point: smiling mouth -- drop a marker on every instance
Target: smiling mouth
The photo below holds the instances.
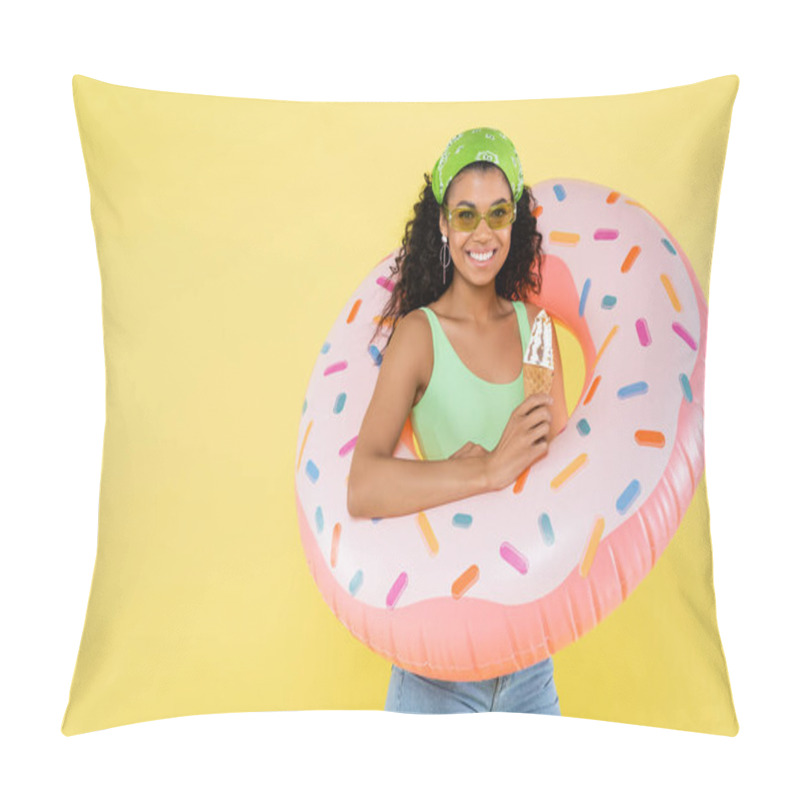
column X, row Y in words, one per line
column 481, row 257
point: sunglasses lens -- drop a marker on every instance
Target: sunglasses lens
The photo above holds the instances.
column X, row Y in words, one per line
column 464, row 219
column 500, row 216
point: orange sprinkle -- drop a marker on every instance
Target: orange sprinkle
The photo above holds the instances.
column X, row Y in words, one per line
column 591, row 547
column 564, row 237
column 613, row 197
column 427, row 533
column 633, row 254
column 386, row 323
column 337, row 532
column 610, row 336
column 649, row 438
column 569, row 470
column 353, row 311
column 537, row 212
column 673, row 298
column 303, row 446
column 466, row 579
column 592, row 388
column 634, row 203
column 520, row 484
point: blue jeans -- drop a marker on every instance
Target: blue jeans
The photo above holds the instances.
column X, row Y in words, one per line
column 531, row 691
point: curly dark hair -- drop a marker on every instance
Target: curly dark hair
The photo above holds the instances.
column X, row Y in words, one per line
column 419, row 269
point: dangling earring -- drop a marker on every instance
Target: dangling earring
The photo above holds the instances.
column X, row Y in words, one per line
column 444, row 253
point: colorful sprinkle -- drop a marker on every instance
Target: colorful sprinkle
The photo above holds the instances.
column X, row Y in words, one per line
column 673, row 297
column 633, row 254
column 337, row 367
column 397, row 589
column 668, row 244
column 563, row 237
column 462, row 520
column 687, row 387
column 649, row 438
column 337, row 533
column 356, row 581
column 592, row 389
column 584, row 296
column 609, row 301
column 312, row 470
column 348, row 446
column 465, row 580
column 643, row 332
column 610, row 336
column 684, row 334
column 519, row 485
column 632, row 389
column 427, row 534
column 305, row 405
column 325, row 348
column 583, row 427
column 339, row 403
column 612, row 198
column 546, row 529
column 569, row 470
column 320, row 520
column 605, row 234
column 376, row 355
column 385, row 282
column 537, row 212
column 513, row 556
column 560, row 192
column 353, row 311
column 303, row 446
column 632, row 491
column 376, row 520
column 591, row 546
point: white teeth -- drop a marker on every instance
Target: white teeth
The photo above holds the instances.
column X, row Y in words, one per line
column 482, row 256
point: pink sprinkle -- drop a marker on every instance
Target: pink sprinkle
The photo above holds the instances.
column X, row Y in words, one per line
column 684, row 334
column 643, row 331
column 337, row 367
column 397, row 589
column 346, row 448
column 606, row 233
column 513, row 556
column 386, row 283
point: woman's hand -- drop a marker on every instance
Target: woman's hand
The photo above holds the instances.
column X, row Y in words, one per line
column 524, row 441
column 470, row 450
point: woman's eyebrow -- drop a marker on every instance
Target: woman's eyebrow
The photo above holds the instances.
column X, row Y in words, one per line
column 472, row 205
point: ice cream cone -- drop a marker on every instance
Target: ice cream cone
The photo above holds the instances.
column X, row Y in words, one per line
column 537, row 360
column 536, row 379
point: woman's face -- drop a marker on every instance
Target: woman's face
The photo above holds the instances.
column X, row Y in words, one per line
column 478, row 255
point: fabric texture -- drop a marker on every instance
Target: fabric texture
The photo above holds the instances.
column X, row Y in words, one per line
column 458, row 406
column 215, row 306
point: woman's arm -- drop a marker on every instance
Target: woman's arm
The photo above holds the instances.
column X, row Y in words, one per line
column 381, row 485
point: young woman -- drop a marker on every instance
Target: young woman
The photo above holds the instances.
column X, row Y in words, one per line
column 454, row 363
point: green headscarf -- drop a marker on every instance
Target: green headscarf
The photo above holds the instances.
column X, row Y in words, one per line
column 477, row 144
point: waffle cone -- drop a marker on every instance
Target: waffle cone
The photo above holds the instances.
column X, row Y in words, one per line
column 537, row 379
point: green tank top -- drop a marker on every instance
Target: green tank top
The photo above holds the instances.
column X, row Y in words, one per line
column 458, row 406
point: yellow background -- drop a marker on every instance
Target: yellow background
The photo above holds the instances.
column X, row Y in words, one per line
column 230, row 233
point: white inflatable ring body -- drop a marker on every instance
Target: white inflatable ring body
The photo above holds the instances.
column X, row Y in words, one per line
column 496, row 582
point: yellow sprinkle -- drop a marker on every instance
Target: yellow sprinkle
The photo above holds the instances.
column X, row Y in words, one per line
column 569, row 470
column 634, row 203
column 303, row 446
column 427, row 533
column 676, row 304
column 610, row 336
column 591, row 547
column 564, row 237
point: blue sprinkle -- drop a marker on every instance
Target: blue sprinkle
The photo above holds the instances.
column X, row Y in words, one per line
column 305, row 404
column 339, row 404
column 687, row 388
column 355, row 583
column 668, row 244
column 376, row 520
column 312, row 471
column 583, row 428
column 609, row 301
column 376, row 355
column 546, row 529
column 320, row 521
column 462, row 520
column 584, row 296
column 326, row 347
column 632, row 389
column 560, row 191
column 632, row 491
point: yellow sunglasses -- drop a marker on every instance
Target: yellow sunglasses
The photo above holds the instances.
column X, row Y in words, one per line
column 465, row 218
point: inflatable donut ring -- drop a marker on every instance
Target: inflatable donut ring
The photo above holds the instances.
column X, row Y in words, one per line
column 493, row 583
